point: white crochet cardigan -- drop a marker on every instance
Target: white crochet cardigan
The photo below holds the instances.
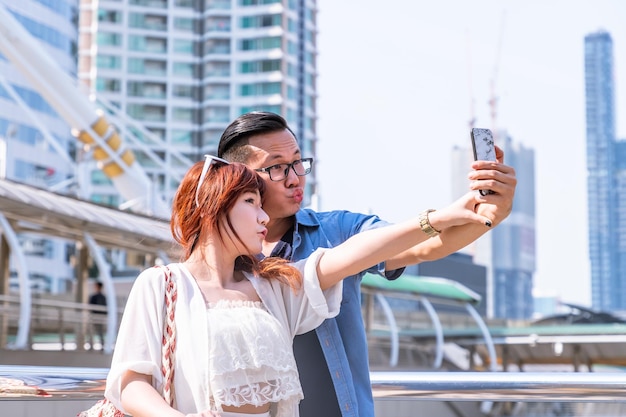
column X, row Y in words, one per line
column 138, row 345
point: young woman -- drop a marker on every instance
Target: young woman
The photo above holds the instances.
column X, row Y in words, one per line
column 236, row 316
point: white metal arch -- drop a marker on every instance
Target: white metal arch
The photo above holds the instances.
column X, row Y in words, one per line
column 21, row 341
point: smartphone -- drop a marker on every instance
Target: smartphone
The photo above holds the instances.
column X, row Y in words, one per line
column 484, row 148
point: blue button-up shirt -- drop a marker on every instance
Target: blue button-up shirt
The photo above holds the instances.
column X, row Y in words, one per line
column 343, row 338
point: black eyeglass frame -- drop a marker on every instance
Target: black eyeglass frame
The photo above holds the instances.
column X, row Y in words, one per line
column 288, row 166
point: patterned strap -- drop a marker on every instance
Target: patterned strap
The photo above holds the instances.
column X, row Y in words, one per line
column 168, row 348
column 104, row 407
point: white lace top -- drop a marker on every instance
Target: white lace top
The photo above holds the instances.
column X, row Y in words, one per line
column 229, row 353
column 250, row 355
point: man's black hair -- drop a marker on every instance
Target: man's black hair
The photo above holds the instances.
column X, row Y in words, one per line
column 248, row 125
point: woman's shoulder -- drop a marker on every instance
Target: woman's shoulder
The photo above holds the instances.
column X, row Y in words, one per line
column 155, row 275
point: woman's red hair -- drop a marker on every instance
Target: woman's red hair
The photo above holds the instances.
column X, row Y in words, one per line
column 218, row 193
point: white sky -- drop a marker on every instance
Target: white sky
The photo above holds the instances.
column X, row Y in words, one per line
column 395, row 99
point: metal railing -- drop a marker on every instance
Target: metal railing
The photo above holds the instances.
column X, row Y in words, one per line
column 57, row 320
column 70, row 383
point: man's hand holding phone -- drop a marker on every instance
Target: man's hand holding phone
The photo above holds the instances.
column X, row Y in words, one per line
column 484, row 149
column 501, row 178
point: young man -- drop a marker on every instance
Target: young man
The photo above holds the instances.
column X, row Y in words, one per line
column 332, row 360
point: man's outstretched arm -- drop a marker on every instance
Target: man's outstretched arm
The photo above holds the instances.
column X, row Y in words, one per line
column 494, row 176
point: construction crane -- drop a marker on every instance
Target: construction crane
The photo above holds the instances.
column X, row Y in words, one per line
column 91, row 128
column 493, row 99
column 470, row 83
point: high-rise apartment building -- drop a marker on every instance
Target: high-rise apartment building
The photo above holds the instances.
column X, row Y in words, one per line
column 185, row 68
column 35, row 142
column 606, row 178
column 509, row 250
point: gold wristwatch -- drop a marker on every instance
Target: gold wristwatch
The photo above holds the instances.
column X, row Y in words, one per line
column 425, row 224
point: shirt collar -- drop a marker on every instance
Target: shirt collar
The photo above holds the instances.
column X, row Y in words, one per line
column 307, row 217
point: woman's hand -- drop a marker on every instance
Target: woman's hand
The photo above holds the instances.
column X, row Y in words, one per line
column 460, row 212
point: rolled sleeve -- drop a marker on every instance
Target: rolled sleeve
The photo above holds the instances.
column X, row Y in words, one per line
column 325, row 303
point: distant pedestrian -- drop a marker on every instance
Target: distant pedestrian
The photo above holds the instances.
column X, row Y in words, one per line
column 99, row 299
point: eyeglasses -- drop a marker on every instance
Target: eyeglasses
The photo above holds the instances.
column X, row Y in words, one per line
column 279, row 172
column 208, row 160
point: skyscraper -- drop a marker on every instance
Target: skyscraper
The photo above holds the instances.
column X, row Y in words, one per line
column 186, row 68
column 508, row 251
column 35, row 142
column 606, row 189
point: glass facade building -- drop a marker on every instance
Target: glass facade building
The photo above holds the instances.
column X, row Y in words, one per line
column 606, row 178
column 31, row 132
column 185, row 68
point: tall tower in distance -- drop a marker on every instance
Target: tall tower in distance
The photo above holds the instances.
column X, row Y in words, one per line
column 186, row 68
column 605, row 182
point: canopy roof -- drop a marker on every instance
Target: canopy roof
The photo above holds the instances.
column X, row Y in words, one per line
column 31, row 209
column 428, row 286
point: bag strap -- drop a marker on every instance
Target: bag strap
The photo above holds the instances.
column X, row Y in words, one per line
column 168, row 348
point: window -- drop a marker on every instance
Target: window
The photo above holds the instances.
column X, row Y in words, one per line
column 108, row 62
column 146, row 112
column 261, row 107
column 218, row 4
column 109, row 16
column 183, row 91
column 182, row 137
column 147, row 44
column 310, row 58
column 106, row 199
column 37, row 247
column 262, row 21
column 260, row 89
column 310, row 102
column 108, row 84
column 221, row 46
column 107, row 38
column 150, row 3
column 181, row 114
column 147, row 21
column 185, row 24
column 211, row 136
column 183, row 46
column 291, row 70
column 291, row 92
column 98, row 177
column 217, row 69
column 145, row 89
column 261, row 43
column 37, row 175
column 266, row 65
column 217, row 91
column 185, row 3
column 292, row 26
column 148, row 67
column 218, row 24
column 292, row 48
column 217, row 114
column 257, row 2
column 183, row 68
